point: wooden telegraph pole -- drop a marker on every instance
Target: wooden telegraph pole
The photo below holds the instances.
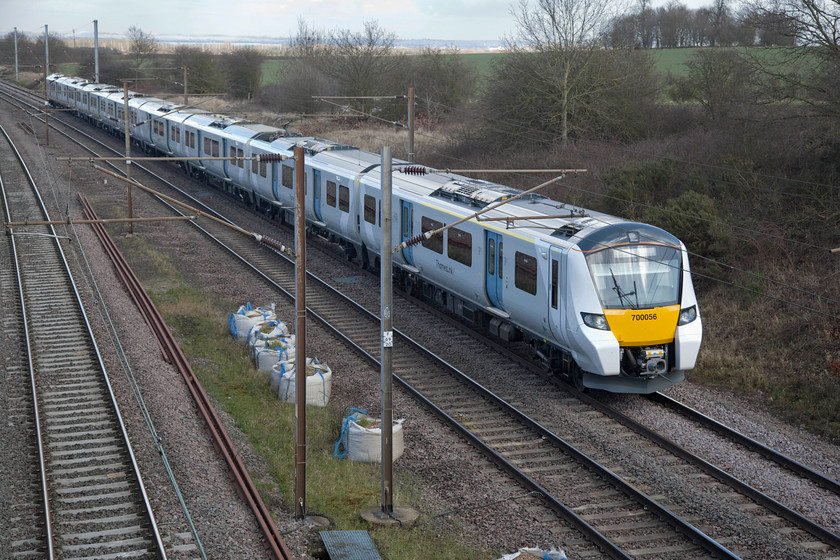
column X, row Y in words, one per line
column 126, row 120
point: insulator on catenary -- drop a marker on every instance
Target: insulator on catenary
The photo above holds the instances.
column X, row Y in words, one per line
column 415, row 170
column 415, row 240
column 274, row 244
column 271, row 157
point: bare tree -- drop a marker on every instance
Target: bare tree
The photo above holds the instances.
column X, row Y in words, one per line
column 814, row 23
column 301, row 78
column 645, row 20
column 205, row 75
column 723, row 84
column 362, row 63
column 559, row 54
column 811, row 73
column 244, row 72
column 142, row 45
column 675, row 24
column 443, row 81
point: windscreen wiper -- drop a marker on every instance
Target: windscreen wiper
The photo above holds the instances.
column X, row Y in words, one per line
column 624, row 298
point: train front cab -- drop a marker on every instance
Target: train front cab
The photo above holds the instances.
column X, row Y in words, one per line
column 648, row 330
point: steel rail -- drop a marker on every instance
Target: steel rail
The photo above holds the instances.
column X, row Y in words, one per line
column 30, row 359
column 793, row 465
column 112, row 398
column 174, row 355
column 754, row 494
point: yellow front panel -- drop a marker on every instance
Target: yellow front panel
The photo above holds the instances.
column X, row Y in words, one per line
column 643, row 327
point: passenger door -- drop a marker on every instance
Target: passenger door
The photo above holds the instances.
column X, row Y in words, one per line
column 407, row 229
column 556, row 292
column 316, row 194
column 494, row 279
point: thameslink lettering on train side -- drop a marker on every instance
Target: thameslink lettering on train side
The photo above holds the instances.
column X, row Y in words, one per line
column 445, row 267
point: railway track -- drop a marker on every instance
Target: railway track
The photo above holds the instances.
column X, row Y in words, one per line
column 601, row 500
column 92, row 502
column 245, row 488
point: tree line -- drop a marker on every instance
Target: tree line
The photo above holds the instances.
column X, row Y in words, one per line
column 721, row 24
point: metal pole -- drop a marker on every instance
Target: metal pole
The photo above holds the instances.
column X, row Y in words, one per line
column 47, row 49
column 127, row 119
column 17, row 78
column 411, row 125
column 300, row 335
column 46, row 94
column 186, row 99
column 96, row 51
column 387, row 339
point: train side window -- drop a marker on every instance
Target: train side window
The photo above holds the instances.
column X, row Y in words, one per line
column 555, row 270
column 288, row 177
column 435, row 242
column 240, row 154
column 459, row 247
column 237, row 153
column 207, row 146
column 501, row 256
column 370, row 209
column 263, row 166
column 331, row 193
column 216, row 149
column 343, row 198
column 525, row 275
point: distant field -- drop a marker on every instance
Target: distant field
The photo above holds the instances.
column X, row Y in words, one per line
column 673, row 60
column 666, row 61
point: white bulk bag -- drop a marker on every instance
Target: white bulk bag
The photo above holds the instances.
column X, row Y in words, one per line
column 267, row 353
column 265, row 330
column 278, row 370
column 318, row 382
column 246, row 317
column 364, row 444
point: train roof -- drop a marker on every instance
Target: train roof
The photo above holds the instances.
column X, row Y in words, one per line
column 534, row 214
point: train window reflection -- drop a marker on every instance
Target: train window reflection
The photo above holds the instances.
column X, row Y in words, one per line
column 636, row 276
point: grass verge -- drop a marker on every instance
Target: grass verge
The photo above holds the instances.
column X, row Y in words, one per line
column 336, row 488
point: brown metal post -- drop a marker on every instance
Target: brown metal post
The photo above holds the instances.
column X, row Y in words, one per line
column 186, row 99
column 300, row 334
column 46, row 93
column 387, row 340
column 411, row 125
column 127, row 119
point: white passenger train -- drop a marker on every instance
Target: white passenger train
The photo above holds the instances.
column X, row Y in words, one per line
column 606, row 301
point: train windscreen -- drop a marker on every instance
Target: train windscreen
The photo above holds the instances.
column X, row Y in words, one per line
column 636, row 276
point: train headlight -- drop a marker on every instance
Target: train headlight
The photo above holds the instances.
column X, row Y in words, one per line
column 595, row 321
column 687, row 315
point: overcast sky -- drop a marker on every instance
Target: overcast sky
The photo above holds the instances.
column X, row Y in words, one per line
column 408, row 19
